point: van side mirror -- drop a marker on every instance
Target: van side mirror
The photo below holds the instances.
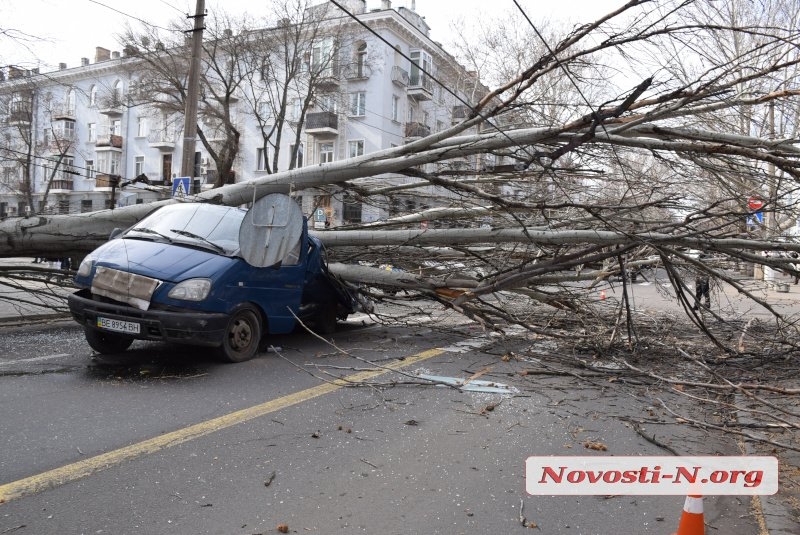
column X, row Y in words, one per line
column 114, row 233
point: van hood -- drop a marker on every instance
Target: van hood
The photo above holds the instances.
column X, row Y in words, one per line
column 161, row 261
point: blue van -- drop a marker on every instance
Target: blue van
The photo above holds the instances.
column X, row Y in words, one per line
column 209, row 275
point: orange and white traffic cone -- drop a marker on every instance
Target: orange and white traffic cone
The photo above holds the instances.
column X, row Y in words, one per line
column 692, row 517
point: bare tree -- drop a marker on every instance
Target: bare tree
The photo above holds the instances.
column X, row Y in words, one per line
column 294, row 62
column 23, row 151
column 162, row 68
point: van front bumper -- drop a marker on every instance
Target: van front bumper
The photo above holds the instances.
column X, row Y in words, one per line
column 184, row 327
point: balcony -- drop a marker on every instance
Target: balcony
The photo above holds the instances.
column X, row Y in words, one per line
column 327, row 82
column 19, row 117
column 60, row 185
column 323, row 122
column 417, row 130
column 61, row 139
column 162, row 139
column 109, row 142
column 63, row 112
column 110, row 105
column 356, row 71
column 420, row 87
column 400, row 76
column 105, row 180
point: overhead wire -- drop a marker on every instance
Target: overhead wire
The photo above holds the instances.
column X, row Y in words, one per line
column 135, row 17
column 181, row 11
column 36, row 156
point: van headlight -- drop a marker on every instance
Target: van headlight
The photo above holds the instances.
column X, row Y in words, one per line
column 85, row 269
column 191, row 290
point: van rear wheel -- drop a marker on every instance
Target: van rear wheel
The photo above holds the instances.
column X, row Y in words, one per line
column 242, row 335
column 107, row 343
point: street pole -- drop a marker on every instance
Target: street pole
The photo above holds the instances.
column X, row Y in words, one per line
column 192, row 92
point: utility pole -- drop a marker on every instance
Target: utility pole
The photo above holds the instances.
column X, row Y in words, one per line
column 192, row 92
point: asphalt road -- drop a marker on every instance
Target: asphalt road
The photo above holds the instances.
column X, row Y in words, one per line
column 165, row 439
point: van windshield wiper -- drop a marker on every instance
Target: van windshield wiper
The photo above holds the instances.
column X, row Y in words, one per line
column 145, row 230
column 188, row 234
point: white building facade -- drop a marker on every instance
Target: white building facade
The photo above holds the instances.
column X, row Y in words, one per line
column 79, row 122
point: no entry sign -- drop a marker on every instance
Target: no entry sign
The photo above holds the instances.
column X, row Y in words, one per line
column 755, row 203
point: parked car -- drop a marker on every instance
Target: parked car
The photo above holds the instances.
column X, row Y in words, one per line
column 209, row 275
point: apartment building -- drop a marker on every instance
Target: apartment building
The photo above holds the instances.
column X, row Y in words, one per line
column 75, row 140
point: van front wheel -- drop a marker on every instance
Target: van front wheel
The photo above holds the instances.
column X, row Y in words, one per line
column 107, row 343
column 242, row 335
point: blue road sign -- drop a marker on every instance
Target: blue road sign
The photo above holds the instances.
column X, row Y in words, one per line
column 180, row 186
column 756, row 218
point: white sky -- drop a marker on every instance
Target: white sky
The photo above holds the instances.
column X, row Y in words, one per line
column 71, row 29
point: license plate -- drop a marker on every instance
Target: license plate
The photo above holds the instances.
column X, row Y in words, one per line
column 119, row 326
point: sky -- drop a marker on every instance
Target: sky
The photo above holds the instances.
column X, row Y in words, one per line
column 64, row 31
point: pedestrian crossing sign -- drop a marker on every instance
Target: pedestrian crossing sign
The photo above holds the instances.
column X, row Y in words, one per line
column 180, row 187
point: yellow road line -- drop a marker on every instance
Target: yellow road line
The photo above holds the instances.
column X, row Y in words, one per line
column 72, row 472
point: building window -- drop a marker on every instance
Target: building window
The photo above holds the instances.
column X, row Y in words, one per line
column 351, row 210
column 93, row 96
column 141, row 127
column 89, row 166
column 9, row 173
column 297, row 105
column 355, row 148
column 421, row 68
column 361, row 60
column 264, row 111
column 358, row 104
column 138, row 166
column 66, row 130
column 395, row 108
column 116, row 127
column 66, row 170
column 91, row 129
column 325, row 152
column 108, row 162
column 322, row 58
column 298, row 161
column 69, row 102
column 261, row 159
column 116, row 93
column 327, row 103
column 86, row 205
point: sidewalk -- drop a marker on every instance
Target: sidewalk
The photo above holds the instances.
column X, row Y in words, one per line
column 21, row 307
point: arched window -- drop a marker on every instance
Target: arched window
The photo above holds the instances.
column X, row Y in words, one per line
column 116, row 92
column 361, row 60
column 93, row 95
column 69, row 101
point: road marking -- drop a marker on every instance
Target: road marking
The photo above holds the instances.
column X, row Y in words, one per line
column 34, row 359
column 72, row 472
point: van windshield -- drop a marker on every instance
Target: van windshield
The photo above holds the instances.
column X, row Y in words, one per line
column 202, row 225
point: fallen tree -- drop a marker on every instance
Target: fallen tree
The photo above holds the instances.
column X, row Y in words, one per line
column 618, row 179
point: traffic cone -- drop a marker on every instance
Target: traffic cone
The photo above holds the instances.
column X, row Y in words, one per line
column 602, row 294
column 692, row 517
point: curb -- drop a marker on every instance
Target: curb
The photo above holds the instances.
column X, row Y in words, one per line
column 774, row 514
column 33, row 319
